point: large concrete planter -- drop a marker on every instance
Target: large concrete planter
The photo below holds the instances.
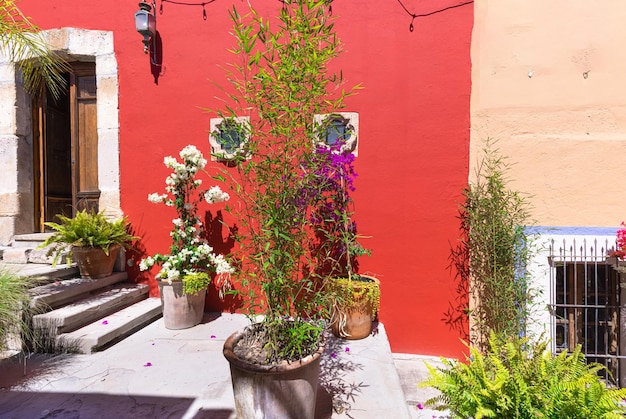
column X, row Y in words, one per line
column 93, row 262
column 180, row 310
column 286, row 391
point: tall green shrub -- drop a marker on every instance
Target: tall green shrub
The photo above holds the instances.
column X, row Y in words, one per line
column 494, row 251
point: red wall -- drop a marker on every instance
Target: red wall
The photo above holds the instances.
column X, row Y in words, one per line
column 413, row 146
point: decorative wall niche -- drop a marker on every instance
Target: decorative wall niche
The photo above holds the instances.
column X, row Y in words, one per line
column 339, row 125
column 227, row 137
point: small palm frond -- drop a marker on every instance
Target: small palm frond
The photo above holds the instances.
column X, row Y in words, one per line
column 27, row 48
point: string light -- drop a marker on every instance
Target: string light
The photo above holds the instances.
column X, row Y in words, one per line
column 329, row 2
column 183, row 3
column 415, row 16
column 330, row 8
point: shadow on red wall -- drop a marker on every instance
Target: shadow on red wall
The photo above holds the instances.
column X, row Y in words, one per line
column 222, row 244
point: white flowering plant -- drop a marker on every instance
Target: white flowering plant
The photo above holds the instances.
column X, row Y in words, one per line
column 190, row 257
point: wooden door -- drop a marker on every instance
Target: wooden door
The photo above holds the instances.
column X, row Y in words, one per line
column 66, row 153
column 85, row 191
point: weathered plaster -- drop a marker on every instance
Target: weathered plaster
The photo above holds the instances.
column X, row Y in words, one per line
column 548, row 84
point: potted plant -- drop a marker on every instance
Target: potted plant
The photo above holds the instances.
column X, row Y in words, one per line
column 282, row 80
column 355, row 298
column 184, row 275
column 92, row 239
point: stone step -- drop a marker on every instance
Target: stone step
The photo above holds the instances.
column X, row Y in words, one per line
column 30, row 240
column 31, row 255
column 2, row 250
column 42, row 272
column 24, row 255
column 61, row 292
column 112, row 328
column 87, row 310
column 17, row 255
column 24, row 249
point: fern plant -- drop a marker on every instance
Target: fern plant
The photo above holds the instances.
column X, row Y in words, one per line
column 87, row 229
column 517, row 378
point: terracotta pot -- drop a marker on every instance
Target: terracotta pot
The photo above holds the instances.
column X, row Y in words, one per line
column 353, row 323
column 180, row 311
column 93, row 262
column 286, row 391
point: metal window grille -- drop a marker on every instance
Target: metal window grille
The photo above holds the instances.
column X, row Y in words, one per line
column 585, row 305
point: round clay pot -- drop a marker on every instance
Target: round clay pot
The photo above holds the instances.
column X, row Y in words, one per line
column 93, row 262
column 286, row 391
column 180, row 310
column 352, row 324
column 356, row 322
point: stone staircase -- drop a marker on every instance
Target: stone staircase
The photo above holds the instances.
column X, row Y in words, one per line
column 75, row 314
column 86, row 315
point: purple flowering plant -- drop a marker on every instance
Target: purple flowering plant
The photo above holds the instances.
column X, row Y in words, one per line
column 329, row 179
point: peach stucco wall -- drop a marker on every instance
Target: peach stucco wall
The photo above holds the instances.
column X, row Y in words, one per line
column 549, row 83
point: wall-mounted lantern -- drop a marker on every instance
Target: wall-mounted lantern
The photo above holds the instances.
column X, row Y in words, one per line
column 145, row 23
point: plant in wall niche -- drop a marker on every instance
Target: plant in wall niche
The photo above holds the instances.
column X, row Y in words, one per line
column 191, row 259
column 494, row 252
column 328, row 180
column 282, row 79
column 518, row 378
column 227, row 138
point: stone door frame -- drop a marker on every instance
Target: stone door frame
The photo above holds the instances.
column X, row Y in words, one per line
column 16, row 137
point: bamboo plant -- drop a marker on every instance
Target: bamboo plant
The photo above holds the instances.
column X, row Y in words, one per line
column 281, row 78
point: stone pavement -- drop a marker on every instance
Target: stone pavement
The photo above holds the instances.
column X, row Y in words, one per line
column 159, row 373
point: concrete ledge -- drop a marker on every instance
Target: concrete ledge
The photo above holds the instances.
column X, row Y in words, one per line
column 2, row 249
column 363, row 378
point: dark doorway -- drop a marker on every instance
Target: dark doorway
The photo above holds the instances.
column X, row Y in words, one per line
column 66, row 148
